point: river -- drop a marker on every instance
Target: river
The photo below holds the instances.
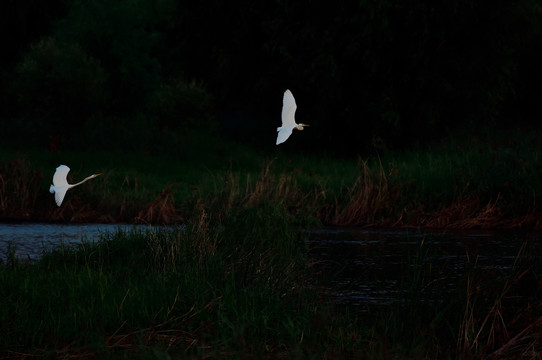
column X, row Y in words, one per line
column 361, row 266
column 379, row 266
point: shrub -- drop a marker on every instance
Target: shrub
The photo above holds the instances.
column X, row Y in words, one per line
column 60, row 84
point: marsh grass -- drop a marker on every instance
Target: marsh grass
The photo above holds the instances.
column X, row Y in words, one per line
column 503, row 315
column 370, row 200
column 462, row 182
column 239, row 287
column 243, row 286
column 18, row 188
column 267, row 188
column 235, row 281
column 466, row 212
column 161, row 210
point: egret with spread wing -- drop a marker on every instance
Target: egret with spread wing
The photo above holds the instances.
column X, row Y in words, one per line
column 288, row 120
column 60, row 183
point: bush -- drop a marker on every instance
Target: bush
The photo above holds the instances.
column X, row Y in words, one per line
column 59, row 84
column 180, row 103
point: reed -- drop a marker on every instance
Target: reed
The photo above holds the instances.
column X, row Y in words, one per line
column 456, row 183
column 238, row 287
column 241, row 285
column 234, row 191
column 161, row 210
column 466, row 212
column 371, row 200
column 504, row 321
column 18, row 189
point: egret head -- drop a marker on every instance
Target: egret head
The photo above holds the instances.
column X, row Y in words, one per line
column 300, row 126
column 94, row 175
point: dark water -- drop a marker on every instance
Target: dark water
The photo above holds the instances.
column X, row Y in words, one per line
column 30, row 240
column 361, row 267
column 378, row 267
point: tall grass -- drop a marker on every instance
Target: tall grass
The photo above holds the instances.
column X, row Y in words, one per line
column 240, row 288
column 370, row 200
column 19, row 190
column 457, row 183
column 241, row 285
column 503, row 315
column 234, row 279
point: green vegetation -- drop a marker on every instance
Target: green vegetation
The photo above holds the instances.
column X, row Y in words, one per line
column 239, row 288
column 391, row 73
column 177, row 106
column 232, row 279
column 469, row 181
column 242, row 287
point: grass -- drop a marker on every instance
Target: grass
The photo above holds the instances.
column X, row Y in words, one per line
column 243, row 287
column 228, row 291
column 235, row 282
column 503, row 315
column 461, row 182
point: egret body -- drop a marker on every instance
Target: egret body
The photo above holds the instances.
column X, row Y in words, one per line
column 60, row 183
column 288, row 118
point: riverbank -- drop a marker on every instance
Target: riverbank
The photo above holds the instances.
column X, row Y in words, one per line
column 235, row 280
column 242, row 285
column 459, row 183
column 224, row 292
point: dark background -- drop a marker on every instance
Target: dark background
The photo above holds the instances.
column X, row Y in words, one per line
column 366, row 74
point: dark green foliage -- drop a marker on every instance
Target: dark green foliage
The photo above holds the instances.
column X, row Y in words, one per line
column 465, row 181
column 180, row 104
column 59, row 85
column 122, row 37
column 393, row 74
column 244, row 288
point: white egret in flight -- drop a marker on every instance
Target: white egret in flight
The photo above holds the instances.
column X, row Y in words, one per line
column 60, row 183
column 288, row 121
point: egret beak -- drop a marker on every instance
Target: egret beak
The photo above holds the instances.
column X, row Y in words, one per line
column 98, row 174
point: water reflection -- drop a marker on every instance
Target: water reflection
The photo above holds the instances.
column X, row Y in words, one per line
column 31, row 240
column 361, row 267
column 378, row 267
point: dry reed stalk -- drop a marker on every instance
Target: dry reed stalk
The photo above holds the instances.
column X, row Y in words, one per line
column 371, row 197
column 531, row 220
column 169, row 250
column 506, row 331
column 279, row 189
column 233, row 191
column 168, row 332
column 159, row 210
column 206, row 244
column 19, row 189
column 464, row 213
column 466, row 328
column 226, row 198
column 3, row 193
column 261, row 189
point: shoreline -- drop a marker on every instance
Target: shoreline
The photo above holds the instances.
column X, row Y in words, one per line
column 531, row 222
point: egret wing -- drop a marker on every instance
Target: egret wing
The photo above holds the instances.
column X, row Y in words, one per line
column 288, row 110
column 284, row 134
column 59, row 195
column 60, row 176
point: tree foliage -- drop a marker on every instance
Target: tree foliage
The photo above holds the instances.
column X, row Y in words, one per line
column 58, row 82
column 391, row 73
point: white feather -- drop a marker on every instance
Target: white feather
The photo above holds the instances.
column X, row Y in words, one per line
column 284, row 134
column 59, row 195
column 60, row 178
column 60, row 183
column 288, row 109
